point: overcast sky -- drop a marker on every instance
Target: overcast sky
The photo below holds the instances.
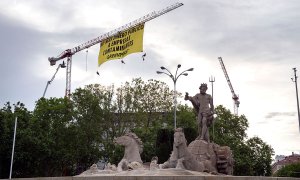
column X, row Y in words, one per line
column 258, row 40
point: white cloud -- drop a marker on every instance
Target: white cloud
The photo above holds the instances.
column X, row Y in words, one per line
column 63, row 16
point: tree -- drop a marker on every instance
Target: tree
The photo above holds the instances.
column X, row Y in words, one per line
column 143, row 107
column 53, row 129
column 145, row 100
column 93, row 118
column 261, row 156
column 186, row 118
column 252, row 156
column 229, row 128
column 6, row 129
column 291, row 170
column 24, row 140
column 103, row 113
column 164, row 144
column 65, row 136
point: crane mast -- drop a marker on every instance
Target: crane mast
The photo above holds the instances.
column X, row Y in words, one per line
column 234, row 96
column 70, row 52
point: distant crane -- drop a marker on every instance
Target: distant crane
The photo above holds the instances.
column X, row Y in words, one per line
column 70, row 52
column 234, row 96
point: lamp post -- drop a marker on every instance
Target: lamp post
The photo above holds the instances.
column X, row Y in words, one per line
column 174, row 79
column 13, row 148
column 295, row 80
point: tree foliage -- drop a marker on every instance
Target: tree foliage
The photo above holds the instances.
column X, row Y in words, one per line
column 291, row 170
column 52, row 130
column 252, row 156
column 64, row 136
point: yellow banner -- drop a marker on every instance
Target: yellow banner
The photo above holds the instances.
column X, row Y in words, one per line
column 122, row 44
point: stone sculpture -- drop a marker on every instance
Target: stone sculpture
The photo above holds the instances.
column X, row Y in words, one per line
column 172, row 161
column 153, row 164
column 199, row 155
column 204, row 152
column 111, row 167
column 181, row 157
column 216, row 158
column 224, row 160
column 133, row 149
column 203, row 105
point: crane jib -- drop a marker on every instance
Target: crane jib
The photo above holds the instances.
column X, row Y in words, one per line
column 69, row 52
column 97, row 40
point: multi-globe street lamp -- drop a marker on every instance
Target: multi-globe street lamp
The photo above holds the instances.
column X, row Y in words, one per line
column 174, row 78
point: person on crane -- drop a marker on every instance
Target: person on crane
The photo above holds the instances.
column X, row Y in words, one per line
column 143, row 56
column 203, row 105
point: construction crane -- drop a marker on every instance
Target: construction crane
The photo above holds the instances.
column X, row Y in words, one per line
column 62, row 65
column 234, row 96
column 70, row 52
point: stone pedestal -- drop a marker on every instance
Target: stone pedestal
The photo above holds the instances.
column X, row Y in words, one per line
column 217, row 158
column 161, row 177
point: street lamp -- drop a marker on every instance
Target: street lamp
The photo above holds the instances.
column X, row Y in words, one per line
column 295, row 80
column 174, row 78
column 13, row 148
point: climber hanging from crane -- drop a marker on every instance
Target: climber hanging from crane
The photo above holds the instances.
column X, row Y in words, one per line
column 136, row 23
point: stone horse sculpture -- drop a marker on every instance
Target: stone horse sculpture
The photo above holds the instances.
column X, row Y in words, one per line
column 181, row 157
column 133, row 149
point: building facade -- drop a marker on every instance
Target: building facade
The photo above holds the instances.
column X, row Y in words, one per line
column 283, row 161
